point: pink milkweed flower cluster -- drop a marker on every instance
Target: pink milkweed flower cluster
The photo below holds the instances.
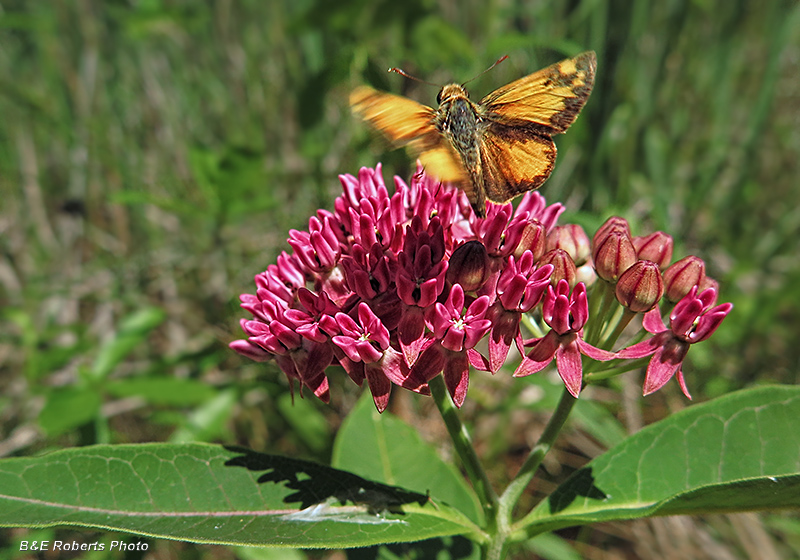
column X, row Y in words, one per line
column 399, row 288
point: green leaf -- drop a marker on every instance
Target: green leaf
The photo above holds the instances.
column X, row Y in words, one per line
column 165, row 391
column 437, row 43
column 550, row 546
column 306, row 421
column 382, row 447
column 132, row 332
column 597, row 420
column 209, row 421
column 207, row 493
column 739, row 452
column 68, row 408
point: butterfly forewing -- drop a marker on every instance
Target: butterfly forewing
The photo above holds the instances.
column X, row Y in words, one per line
column 551, row 97
column 398, row 117
column 405, row 121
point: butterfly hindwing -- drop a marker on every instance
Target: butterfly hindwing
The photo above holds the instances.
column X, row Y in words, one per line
column 515, row 161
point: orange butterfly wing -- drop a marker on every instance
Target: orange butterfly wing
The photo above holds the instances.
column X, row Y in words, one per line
column 550, row 98
column 517, row 152
column 514, row 163
column 405, row 121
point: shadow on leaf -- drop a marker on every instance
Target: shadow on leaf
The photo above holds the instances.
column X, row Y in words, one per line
column 315, row 484
column 581, row 483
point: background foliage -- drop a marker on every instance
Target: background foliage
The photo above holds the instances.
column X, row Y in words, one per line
column 154, row 155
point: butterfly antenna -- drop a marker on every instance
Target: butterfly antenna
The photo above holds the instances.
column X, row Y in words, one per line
column 410, row 77
column 498, row 61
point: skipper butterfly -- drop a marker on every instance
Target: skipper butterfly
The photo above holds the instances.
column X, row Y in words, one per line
column 494, row 150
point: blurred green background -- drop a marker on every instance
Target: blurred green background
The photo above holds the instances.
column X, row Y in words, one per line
column 155, row 153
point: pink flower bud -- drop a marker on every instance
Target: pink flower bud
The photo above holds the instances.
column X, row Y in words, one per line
column 682, row 276
column 563, row 267
column 532, row 239
column 613, row 255
column 469, row 266
column 656, row 247
column 614, row 223
column 573, row 240
column 640, row 287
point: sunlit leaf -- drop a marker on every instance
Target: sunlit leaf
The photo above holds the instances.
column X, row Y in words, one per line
column 736, row 453
column 208, row 493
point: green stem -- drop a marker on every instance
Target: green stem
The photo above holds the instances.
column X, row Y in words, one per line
column 465, row 450
column 533, row 326
column 599, row 320
column 512, row 494
column 609, row 342
column 595, row 376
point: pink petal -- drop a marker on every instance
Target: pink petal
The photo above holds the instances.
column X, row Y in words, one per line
column 664, row 364
column 682, row 382
column 412, row 325
column 644, row 348
column 709, row 322
column 250, row 350
column 319, row 386
column 287, row 366
column 652, row 321
column 540, row 356
column 411, row 351
column 499, row 344
column 429, row 364
column 349, row 346
column 560, row 319
column 475, row 330
column 320, row 357
column 455, row 301
column 429, row 290
column 379, row 386
column 568, row 362
column 595, row 353
column 579, row 307
column 309, row 361
column 456, row 376
column 393, row 366
column 478, row 360
column 453, row 338
column 367, row 352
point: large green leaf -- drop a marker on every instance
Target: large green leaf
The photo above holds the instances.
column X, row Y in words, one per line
column 738, row 452
column 208, row 493
column 382, row 447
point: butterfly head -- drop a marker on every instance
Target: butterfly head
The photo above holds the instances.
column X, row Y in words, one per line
column 451, row 92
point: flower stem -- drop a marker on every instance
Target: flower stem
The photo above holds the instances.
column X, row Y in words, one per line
column 604, row 290
column 609, row 342
column 464, row 448
column 526, row 473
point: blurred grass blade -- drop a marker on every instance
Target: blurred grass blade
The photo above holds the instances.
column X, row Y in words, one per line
column 133, row 331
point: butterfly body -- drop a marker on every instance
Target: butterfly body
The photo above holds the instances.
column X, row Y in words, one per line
column 495, row 149
column 458, row 120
